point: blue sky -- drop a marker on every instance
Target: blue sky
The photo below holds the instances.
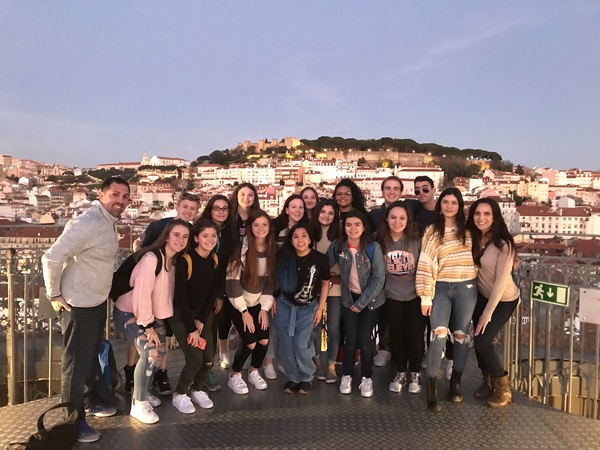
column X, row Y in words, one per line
column 83, row 83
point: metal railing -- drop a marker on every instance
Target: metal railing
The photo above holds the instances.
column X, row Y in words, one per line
column 550, row 354
column 30, row 346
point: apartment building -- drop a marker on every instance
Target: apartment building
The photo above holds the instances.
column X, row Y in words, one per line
column 550, row 221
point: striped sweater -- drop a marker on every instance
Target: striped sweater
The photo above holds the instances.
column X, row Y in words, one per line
column 242, row 296
column 449, row 261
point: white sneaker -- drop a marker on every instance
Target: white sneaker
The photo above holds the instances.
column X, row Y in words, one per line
column 382, row 358
column 346, row 384
column 202, row 399
column 183, row 403
column 256, row 380
column 143, row 412
column 225, row 362
column 237, row 384
column 415, row 383
column 398, row 382
column 270, row 373
column 366, row 387
column 153, row 400
column 449, row 366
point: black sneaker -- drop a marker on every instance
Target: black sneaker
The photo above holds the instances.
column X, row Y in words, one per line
column 304, row 387
column 160, row 382
column 129, row 370
column 290, row 387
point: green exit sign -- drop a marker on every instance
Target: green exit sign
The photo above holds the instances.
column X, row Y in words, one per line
column 557, row 294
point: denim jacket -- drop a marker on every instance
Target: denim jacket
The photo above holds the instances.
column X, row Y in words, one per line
column 371, row 275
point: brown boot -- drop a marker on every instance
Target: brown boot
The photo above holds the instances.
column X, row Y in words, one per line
column 486, row 390
column 502, row 393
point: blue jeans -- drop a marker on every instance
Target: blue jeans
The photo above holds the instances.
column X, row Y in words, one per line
column 458, row 299
column 334, row 317
column 150, row 355
column 294, row 327
column 359, row 335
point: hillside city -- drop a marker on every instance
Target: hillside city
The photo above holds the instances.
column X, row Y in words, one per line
column 551, row 212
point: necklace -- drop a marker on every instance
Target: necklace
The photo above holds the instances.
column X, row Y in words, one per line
column 301, row 260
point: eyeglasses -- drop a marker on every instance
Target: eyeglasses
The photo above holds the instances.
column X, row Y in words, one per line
column 425, row 191
column 343, row 194
column 219, row 209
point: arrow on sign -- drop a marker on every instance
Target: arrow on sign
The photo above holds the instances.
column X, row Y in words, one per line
column 550, row 293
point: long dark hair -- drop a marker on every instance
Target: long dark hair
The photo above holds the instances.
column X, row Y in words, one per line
column 499, row 234
column 234, row 198
column 227, row 232
column 286, row 260
column 439, row 222
column 250, row 273
column 411, row 232
column 316, row 229
column 282, row 221
column 365, row 238
column 161, row 241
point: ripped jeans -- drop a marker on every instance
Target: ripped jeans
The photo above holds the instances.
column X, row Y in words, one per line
column 150, row 355
column 459, row 299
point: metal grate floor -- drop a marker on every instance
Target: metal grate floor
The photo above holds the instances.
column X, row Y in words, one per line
column 327, row 419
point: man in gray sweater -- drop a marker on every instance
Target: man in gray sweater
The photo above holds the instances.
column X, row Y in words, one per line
column 78, row 271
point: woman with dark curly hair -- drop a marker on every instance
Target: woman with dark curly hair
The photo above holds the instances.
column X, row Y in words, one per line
column 348, row 196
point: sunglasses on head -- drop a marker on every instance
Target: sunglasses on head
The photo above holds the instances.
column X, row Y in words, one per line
column 425, row 190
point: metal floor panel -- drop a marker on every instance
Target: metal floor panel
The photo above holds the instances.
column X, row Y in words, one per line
column 328, row 419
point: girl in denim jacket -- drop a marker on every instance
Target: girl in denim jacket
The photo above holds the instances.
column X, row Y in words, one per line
column 362, row 271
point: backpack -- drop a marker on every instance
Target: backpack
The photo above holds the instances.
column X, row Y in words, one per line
column 188, row 259
column 370, row 251
column 108, row 366
column 61, row 436
column 120, row 282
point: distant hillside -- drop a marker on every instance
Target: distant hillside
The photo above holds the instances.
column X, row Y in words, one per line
column 399, row 145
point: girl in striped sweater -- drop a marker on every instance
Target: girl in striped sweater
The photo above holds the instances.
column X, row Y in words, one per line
column 445, row 282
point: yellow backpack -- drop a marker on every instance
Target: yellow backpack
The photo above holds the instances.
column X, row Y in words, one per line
column 188, row 259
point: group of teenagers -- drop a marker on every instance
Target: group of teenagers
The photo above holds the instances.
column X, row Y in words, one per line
column 414, row 264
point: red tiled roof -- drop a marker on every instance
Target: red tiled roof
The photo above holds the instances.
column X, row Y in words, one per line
column 535, row 211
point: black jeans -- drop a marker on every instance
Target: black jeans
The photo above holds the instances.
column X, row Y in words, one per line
column 407, row 326
column 359, row 335
column 259, row 351
column 487, row 358
column 194, row 372
column 83, row 331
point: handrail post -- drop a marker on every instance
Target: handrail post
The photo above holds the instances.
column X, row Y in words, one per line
column 25, row 339
column 11, row 343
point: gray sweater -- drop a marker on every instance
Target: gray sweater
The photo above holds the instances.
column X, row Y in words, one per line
column 80, row 264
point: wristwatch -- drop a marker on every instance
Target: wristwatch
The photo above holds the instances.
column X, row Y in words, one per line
column 244, row 310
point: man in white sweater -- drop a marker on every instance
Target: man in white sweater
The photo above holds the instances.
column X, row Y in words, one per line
column 78, row 271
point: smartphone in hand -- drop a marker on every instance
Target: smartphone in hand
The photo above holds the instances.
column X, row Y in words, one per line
column 201, row 345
